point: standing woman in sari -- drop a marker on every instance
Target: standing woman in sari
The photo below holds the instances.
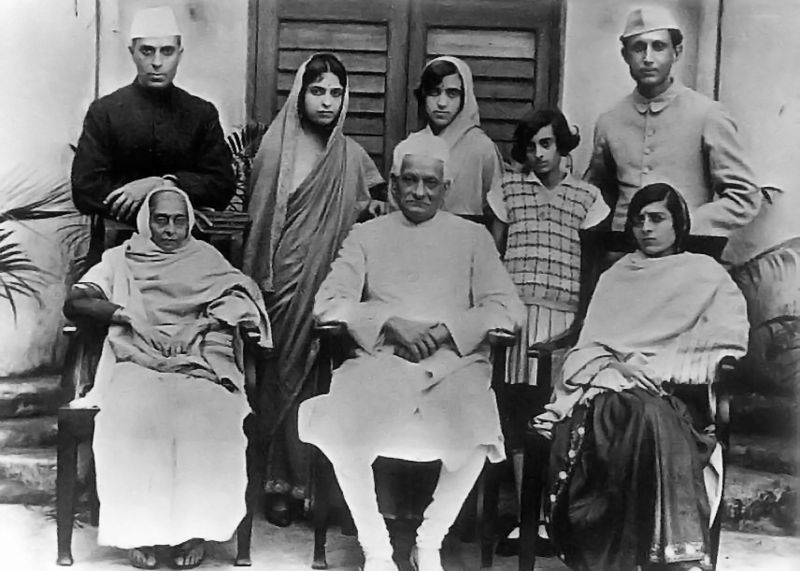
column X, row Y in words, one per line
column 309, row 185
column 446, row 100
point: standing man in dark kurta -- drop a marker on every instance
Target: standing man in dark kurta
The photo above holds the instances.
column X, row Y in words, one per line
column 150, row 132
column 665, row 132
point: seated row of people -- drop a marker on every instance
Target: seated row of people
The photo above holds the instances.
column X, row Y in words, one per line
column 310, row 183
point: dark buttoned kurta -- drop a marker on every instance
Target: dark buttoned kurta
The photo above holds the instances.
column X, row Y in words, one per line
column 137, row 132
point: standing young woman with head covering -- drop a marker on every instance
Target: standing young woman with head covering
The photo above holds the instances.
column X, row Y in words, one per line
column 308, row 187
column 446, row 100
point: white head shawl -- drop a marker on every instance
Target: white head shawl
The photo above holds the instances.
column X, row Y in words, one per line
column 143, row 217
column 469, row 116
column 422, row 143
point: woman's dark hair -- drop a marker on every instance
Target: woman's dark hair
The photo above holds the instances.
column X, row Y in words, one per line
column 432, row 76
column 535, row 120
column 676, row 206
column 317, row 65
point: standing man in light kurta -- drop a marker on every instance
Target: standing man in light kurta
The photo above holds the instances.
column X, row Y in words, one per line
column 418, row 289
column 666, row 132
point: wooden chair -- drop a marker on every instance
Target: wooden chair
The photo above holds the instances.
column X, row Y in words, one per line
column 335, row 347
column 76, row 425
column 599, row 249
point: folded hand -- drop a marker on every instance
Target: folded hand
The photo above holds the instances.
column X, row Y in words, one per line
column 413, row 340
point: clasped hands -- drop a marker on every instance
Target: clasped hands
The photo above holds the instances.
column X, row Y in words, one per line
column 415, row 340
column 124, row 201
column 169, row 346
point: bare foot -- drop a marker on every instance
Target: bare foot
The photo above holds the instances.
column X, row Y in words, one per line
column 189, row 554
column 143, row 557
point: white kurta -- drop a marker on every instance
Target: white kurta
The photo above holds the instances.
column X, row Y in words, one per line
column 445, row 270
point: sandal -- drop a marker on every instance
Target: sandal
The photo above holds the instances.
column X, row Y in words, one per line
column 143, row 558
column 195, row 548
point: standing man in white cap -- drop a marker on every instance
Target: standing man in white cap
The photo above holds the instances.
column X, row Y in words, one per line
column 418, row 289
column 666, row 132
column 149, row 132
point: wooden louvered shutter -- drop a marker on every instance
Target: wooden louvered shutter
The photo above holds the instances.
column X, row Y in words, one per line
column 370, row 37
column 510, row 45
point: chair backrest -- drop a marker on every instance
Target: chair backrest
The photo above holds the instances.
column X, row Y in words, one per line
column 601, row 248
column 244, row 145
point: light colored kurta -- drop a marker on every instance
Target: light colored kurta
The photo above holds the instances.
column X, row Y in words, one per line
column 445, row 270
column 681, row 138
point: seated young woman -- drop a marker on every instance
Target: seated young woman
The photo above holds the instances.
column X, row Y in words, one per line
column 626, row 475
column 168, row 444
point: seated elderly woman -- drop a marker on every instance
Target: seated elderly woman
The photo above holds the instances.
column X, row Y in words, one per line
column 628, row 457
column 168, row 444
column 419, row 290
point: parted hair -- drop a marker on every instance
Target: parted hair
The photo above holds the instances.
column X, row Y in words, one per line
column 536, row 119
column 431, row 77
column 676, row 206
column 318, row 64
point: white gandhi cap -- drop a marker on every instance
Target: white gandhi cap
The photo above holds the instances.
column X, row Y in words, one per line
column 154, row 23
column 649, row 19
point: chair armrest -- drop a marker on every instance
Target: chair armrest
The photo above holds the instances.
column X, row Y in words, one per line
column 502, row 338
column 69, row 329
column 726, row 370
column 329, row 329
column 563, row 340
column 251, row 335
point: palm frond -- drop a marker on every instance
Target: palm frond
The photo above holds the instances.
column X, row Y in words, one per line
column 18, row 275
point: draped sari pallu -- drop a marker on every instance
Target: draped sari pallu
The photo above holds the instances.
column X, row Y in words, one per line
column 635, row 476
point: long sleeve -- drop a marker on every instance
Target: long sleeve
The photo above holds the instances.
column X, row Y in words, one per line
column 602, row 171
column 340, row 296
column 496, row 304
column 92, row 172
column 738, row 198
column 85, row 301
column 211, row 183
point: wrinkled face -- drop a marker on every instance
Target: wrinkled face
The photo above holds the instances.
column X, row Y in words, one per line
column 443, row 102
column 420, row 188
column 650, row 57
column 156, row 60
column 654, row 230
column 322, row 101
column 541, row 152
column 169, row 220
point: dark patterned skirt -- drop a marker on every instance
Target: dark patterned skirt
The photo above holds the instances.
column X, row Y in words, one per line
column 626, row 484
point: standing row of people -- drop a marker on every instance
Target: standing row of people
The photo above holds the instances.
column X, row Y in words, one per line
column 310, row 183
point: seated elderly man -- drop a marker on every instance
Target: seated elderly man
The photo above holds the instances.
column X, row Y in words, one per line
column 419, row 289
column 168, row 444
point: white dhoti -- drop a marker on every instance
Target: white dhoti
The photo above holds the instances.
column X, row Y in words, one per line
column 170, row 459
column 382, row 405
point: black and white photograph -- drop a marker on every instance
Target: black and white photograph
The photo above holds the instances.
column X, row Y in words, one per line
column 400, row 285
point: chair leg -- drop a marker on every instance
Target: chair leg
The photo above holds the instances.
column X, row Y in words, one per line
column 533, row 483
column 256, row 468
column 323, row 489
column 66, row 480
column 488, row 496
column 94, row 500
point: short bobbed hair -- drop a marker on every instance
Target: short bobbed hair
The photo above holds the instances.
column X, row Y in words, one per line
column 535, row 120
column 433, row 74
column 676, row 205
column 319, row 64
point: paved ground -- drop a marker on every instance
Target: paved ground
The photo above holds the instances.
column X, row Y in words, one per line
column 28, row 543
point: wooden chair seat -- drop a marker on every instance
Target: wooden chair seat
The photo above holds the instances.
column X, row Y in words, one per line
column 599, row 249
column 76, row 426
column 335, row 347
